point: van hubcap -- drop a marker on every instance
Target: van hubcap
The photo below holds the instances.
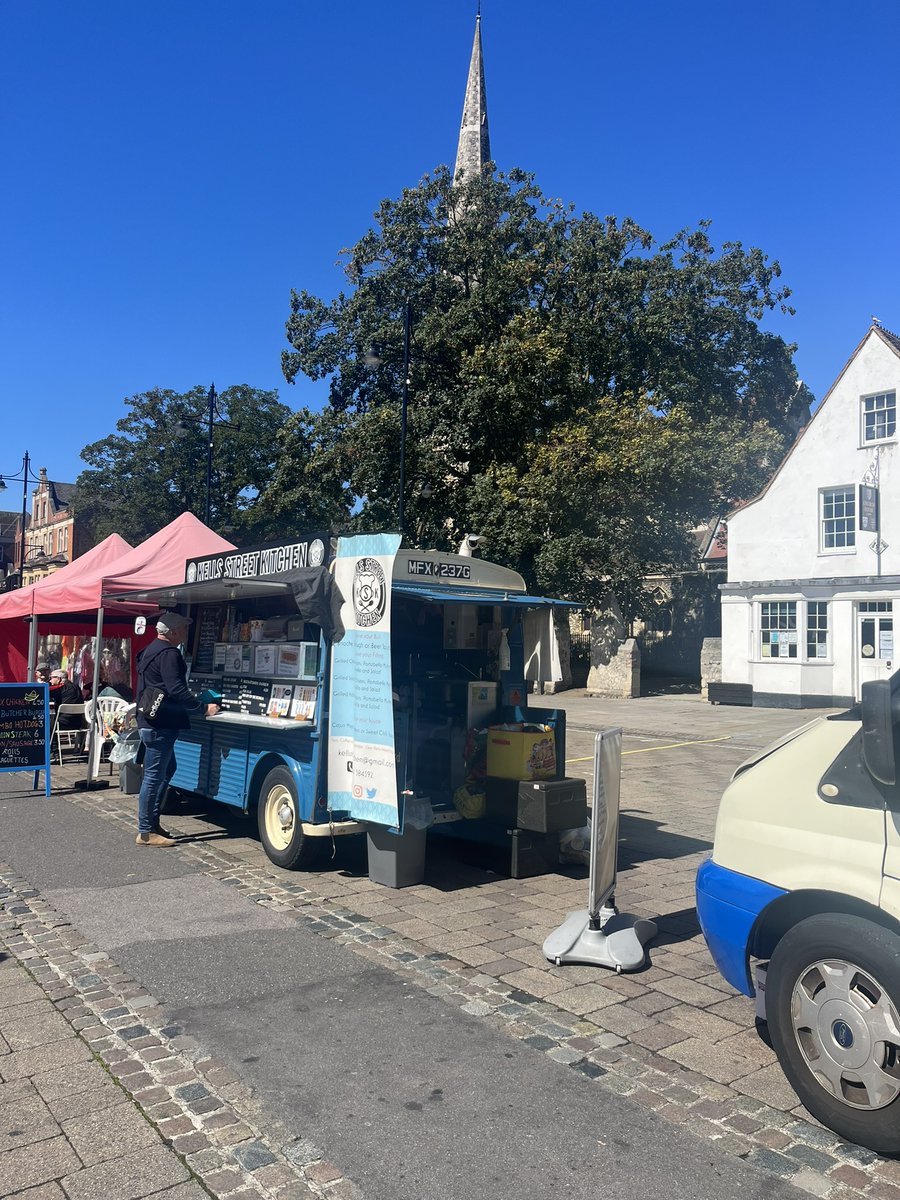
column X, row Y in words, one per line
column 280, row 816
column 848, row 1031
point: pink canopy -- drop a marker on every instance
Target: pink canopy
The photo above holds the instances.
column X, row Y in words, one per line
column 26, row 601
column 157, row 562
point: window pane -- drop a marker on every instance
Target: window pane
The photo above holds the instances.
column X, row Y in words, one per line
column 839, row 518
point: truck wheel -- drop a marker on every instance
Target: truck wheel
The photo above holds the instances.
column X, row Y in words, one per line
column 280, row 827
column 833, row 1007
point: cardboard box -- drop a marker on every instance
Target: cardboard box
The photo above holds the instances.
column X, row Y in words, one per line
column 517, row 752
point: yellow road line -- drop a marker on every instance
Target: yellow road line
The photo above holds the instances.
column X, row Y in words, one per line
column 670, row 746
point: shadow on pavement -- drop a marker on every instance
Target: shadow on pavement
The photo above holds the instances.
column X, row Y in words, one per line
column 642, row 838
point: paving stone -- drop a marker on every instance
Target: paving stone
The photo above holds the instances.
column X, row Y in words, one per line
column 585, row 998
column 39, row 1163
column 37, row 1059
column 768, row 1085
column 25, row 1121
column 253, row 1155
column 44, row 1191
column 98, row 1137
column 710, row 1060
column 129, row 1177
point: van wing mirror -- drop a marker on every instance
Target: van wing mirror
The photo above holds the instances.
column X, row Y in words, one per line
column 877, row 731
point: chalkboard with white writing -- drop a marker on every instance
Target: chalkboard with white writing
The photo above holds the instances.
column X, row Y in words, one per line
column 24, row 728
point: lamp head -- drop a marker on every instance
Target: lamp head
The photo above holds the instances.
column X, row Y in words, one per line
column 372, row 357
column 2, row 484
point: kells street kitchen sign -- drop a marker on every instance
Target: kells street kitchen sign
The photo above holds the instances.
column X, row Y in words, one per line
column 261, row 562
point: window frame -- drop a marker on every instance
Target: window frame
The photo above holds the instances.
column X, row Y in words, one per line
column 883, row 438
column 778, row 628
column 804, row 610
column 849, row 490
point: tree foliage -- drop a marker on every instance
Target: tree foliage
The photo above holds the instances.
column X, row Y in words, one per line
column 578, row 392
column 154, row 468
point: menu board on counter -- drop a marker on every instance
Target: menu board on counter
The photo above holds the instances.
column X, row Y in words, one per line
column 25, row 729
column 209, row 629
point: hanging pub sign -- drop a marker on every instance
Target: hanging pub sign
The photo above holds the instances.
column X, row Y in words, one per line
column 24, row 729
column 868, row 508
column 258, row 562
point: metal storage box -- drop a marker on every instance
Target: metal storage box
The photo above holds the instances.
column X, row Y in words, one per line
column 548, row 805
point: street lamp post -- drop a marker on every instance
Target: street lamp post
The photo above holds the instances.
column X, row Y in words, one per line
column 27, row 474
column 213, row 418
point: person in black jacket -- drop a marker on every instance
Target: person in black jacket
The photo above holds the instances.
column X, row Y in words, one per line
column 160, row 665
column 64, row 691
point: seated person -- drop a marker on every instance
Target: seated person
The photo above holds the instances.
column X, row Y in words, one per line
column 64, row 691
column 42, row 673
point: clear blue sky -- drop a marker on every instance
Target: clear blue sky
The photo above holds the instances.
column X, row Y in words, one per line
column 171, row 170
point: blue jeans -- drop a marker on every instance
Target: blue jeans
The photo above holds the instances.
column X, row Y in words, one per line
column 159, row 767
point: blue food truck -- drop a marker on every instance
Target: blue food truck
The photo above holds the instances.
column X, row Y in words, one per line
column 352, row 675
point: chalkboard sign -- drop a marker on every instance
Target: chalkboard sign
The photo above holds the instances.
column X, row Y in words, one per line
column 24, row 729
column 209, row 629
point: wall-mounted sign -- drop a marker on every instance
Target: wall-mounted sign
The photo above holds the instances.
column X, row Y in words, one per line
column 868, row 508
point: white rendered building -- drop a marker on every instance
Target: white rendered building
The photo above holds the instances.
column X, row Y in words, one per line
column 814, row 561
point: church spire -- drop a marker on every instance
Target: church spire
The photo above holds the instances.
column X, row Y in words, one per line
column 474, row 149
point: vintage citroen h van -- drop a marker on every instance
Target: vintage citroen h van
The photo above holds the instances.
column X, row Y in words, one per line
column 800, row 905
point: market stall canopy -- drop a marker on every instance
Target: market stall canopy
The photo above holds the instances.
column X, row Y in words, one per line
column 157, row 562
column 27, row 600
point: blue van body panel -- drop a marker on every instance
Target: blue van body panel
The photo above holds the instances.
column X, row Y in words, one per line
column 219, row 761
column 728, row 905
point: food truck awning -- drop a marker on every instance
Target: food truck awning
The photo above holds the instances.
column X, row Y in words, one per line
column 460, row 595
column 205, row 593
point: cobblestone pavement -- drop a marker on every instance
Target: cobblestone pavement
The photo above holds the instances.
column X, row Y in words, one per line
column 674, row 1037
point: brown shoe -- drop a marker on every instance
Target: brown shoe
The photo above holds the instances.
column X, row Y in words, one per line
column 153, row 839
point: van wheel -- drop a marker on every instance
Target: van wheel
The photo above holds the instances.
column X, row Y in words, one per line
column 833, row 1007
column 280, row 826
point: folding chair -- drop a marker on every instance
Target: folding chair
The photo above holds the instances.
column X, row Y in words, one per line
column 73, row 739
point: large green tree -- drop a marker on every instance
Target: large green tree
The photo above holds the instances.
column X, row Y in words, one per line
column 578, row 392
column 154, row 467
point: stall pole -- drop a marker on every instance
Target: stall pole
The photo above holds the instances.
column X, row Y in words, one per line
column 32, row 646
column 92, row 729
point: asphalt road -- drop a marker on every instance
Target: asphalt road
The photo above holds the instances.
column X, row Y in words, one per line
column 413, row 1098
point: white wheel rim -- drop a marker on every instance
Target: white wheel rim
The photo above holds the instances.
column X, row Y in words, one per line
column 280, row 816
column 848, row 1031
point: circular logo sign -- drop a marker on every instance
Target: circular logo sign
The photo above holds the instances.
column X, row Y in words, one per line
column 316, row 553
column 369, row 592
column 842, row 1034
column 192, row 573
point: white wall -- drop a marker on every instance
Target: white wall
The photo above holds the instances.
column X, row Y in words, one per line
column 777, row 536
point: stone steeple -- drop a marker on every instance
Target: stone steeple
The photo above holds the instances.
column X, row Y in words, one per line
column 474, row 149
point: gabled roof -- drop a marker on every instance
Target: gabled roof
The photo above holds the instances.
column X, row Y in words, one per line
column 891, row 340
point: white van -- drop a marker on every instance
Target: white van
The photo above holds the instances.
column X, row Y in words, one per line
column 800, row 906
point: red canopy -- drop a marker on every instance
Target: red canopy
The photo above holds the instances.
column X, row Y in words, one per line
column 157, row 562
column 26, row 601
column 77, row 589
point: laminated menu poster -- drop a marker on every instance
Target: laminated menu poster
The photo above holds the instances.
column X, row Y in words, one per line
column 24, row 729
column 362, row 758
column 280, row 700
column 303, row 705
